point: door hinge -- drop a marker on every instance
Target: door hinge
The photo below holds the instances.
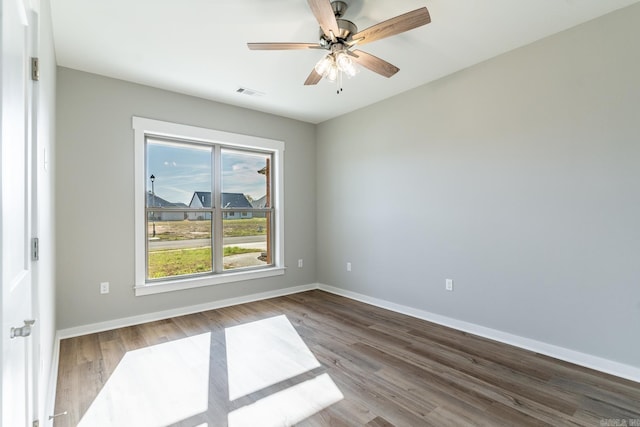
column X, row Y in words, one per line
column 35, row 249
column 35, row 69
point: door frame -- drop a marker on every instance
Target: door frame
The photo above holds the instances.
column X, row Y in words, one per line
column 19, row 43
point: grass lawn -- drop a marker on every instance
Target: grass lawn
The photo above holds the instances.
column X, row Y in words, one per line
column 201, row 229
column 166, row 263
column 244, row 227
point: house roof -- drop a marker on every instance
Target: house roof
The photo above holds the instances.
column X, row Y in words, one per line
column 260, row 203
column 229, row 200
column 203, row 196
column 235, row 200
column 153, row 200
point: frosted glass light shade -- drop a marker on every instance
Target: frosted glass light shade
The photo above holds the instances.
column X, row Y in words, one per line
column 323, row 66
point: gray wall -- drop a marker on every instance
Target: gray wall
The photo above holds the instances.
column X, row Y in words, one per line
column 519, row 178
column 94, row 194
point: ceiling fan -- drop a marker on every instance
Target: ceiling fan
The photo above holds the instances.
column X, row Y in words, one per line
column 340, row 36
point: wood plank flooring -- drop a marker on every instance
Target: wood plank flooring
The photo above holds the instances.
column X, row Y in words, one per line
column 376, row 368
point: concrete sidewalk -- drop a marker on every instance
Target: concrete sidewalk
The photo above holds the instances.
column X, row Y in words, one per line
column 243, row 260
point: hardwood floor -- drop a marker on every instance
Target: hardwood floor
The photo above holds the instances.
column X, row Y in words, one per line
column 317, row 359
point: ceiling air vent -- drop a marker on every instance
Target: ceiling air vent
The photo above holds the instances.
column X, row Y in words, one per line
column 249, row 92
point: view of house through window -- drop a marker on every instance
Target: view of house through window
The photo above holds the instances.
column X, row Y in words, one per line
column 208, row 209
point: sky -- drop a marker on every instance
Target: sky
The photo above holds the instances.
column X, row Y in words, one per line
column 181, row 169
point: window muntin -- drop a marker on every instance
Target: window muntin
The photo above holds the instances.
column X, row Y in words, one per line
column 235, row 240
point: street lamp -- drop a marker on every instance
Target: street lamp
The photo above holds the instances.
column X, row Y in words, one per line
column 153, row 203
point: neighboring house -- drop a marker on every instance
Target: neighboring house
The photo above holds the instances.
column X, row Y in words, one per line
column 202, row 199
column 236, row 200
column 154, row 201
column 260, row 203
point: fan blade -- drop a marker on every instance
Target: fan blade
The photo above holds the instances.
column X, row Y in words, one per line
column 374, row 63
column 283, row 46
column 313, row 78
column 393, row 26
column 324, row 14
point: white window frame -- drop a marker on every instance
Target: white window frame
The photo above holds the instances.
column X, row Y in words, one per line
column 144, row 127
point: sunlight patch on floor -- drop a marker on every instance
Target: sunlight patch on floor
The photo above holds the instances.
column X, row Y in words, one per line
column 155, row 386
column 289, row 406
column 263, row 353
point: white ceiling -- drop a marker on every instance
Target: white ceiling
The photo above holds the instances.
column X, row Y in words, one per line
column 198, row 47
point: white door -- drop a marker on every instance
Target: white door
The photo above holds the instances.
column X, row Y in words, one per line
column 15, row 215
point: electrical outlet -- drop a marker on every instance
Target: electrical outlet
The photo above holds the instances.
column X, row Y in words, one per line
column 348, row 266
column 300, row 263
column 449, row 284
column 104, row 287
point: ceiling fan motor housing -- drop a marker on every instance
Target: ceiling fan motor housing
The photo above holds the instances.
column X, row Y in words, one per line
column 347, row 29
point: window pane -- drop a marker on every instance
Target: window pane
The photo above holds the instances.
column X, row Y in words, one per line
column 246, row 239
column 245, row 185
column 245, row 179
column 177, row 244
column 178, row 175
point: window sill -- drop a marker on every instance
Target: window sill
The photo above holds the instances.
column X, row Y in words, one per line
column 197, row 282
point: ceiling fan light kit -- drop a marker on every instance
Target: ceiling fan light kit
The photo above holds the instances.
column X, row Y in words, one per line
column 340, row 36
column 335, row 64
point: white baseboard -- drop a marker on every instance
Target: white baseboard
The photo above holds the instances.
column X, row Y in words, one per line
column 181, row 311
column 587, row 360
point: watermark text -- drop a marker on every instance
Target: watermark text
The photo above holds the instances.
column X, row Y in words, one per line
column 620, row 422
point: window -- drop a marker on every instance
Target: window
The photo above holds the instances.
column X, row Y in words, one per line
column 208, row 207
